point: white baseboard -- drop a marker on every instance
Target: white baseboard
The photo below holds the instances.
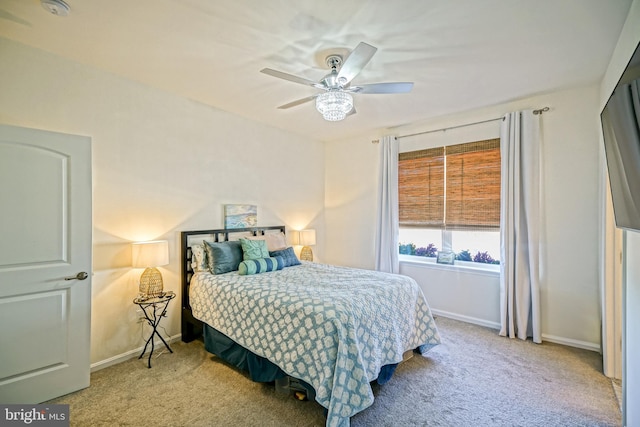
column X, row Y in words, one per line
column 545, row 337
column 572, row 343
column 468, row 319
column 130, row 354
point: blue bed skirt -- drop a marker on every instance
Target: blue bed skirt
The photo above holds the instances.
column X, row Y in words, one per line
column 259, row 369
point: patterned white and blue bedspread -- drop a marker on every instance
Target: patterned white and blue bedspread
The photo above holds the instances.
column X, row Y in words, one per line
column 333, row 327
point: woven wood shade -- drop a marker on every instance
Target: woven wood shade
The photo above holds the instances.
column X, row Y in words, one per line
column 421, row 188
column 453, row 187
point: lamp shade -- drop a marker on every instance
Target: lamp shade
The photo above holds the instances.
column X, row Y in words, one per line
column 150, row 254
column 294, row 237
column 308, row 237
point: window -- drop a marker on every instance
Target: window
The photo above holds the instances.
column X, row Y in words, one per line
column 453, row 192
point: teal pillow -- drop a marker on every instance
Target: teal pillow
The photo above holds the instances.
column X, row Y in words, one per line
column 288, row 255
column 223, row 257
column 254, row 249
column 260, row 265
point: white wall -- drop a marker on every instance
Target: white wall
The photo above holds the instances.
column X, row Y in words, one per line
column 161, row 164
column 469, row 295
column 629, row 39
column 569, row 287
column 350, row 201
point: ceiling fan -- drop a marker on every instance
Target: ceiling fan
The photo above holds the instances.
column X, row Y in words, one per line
column 336, row 102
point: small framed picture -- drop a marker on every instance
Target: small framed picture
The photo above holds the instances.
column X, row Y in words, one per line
column 446, row 258
column 240, row 216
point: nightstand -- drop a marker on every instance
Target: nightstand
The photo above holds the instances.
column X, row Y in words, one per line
column 154, row 309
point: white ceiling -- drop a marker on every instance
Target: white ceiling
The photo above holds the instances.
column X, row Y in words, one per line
column 461, row 54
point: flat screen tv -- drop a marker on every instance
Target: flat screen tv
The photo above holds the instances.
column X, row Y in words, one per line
column 621, row 127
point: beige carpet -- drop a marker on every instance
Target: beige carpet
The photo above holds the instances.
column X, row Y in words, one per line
column 475, row 378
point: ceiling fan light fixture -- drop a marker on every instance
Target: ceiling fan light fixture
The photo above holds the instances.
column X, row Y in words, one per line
column 334, row 105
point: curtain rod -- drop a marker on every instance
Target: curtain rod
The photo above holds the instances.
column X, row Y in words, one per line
column 536, row 112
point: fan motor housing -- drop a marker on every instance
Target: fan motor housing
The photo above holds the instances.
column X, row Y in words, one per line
column 334, row 62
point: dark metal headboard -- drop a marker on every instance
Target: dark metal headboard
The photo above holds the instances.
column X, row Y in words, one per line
column 192, row 327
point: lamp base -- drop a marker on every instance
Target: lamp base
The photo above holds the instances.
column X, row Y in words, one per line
column 306, row 254
column 151, row 282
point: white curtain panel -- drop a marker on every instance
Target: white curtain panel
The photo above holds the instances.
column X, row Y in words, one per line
column 387, row 225
column 520, row 227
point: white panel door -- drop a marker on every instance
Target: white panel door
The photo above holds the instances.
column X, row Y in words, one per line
column 45, row 251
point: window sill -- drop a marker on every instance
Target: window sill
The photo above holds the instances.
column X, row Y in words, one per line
column 459, row 266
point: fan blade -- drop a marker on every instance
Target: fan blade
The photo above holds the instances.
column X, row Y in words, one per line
column 397, row 87
column 298, row 102
column 291, row 77
column 357, row 59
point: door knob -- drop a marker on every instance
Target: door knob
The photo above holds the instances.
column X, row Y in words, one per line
column 80, row 276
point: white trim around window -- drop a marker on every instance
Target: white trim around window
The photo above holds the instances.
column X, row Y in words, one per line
column 463, row 266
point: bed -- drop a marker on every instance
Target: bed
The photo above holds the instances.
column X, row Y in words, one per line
column 334, row 329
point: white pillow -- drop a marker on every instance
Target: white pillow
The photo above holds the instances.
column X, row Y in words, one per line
column 275, row 241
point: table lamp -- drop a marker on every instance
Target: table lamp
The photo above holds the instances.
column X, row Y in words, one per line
column 149, row 255
column 307, row 238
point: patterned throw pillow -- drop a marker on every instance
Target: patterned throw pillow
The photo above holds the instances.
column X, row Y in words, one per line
column 254, row 249
column 275, row 241
column 288, row 255
column 260, row 265
column 223, row 256
column 199, row 261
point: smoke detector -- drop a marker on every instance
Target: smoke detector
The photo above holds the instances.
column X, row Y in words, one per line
column 56, row 7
